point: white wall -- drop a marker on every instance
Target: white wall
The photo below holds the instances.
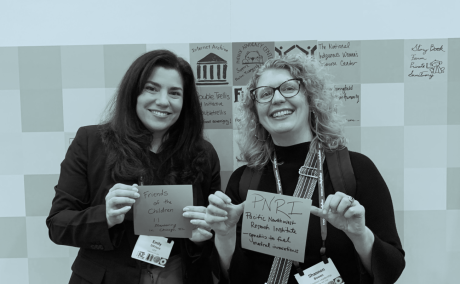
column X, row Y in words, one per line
column 83, row 22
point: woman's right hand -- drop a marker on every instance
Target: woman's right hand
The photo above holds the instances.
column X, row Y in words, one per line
column 119, row 201
column 221, row 214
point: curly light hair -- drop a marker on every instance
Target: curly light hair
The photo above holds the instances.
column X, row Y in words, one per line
column 321, row 98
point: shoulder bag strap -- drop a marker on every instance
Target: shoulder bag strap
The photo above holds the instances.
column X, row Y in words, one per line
column 341, row 171
column 249, row 180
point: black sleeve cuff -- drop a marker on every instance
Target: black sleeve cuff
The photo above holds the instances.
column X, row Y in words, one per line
column 116, row 234
column 196, row 252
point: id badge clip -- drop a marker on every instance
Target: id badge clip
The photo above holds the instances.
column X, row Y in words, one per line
column 152, row 249
column 323, row 254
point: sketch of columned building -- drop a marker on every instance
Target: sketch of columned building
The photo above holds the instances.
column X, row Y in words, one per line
column 211, row 70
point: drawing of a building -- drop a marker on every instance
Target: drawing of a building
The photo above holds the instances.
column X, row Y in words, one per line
column 211, row 70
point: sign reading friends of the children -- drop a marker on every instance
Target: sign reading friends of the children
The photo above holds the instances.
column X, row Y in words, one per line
column 276, row 224
column 158, row 211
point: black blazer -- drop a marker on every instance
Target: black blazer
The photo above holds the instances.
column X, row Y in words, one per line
column 78, row 219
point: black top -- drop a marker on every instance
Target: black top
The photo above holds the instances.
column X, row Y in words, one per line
column 387, row 254
column 78, row 218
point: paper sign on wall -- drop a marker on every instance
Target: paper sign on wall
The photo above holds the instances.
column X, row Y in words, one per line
column 216, row 106
column 276, row 224
column 350, row 95
column 158, row 211
column 425, row 60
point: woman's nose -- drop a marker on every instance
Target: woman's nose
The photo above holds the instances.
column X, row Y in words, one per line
column 278, row 97
column 162, row 98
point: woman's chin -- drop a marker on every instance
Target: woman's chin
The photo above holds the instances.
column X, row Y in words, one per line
column 284, row 133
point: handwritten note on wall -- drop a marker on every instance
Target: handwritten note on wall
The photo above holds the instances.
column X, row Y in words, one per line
column 276, row 224
column 342, row 58
column 350, row 95
column 238, row 97
column 425, row 60
column 216, row 105
column 158, row 211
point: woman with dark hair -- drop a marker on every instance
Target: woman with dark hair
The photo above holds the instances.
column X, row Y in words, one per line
column 289, row 122
column 153, row 135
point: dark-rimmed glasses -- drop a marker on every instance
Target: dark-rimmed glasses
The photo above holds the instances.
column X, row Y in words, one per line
column 287, row 89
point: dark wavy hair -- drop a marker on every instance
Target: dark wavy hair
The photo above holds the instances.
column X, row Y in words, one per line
column 128, row 141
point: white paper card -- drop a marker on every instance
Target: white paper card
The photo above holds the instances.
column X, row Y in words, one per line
column 320, row 273
column 152, row 249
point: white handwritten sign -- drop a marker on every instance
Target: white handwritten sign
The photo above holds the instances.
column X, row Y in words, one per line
column 342, row 58
column 425, row 60
column 350, row 95
column 158, row 211
column 276, row 224
column 216, row 106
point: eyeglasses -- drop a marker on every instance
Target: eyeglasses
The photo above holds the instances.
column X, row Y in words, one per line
column 265, row 94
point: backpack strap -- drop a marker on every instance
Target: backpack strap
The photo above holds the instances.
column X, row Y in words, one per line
column 249, row 180
column 341, row 171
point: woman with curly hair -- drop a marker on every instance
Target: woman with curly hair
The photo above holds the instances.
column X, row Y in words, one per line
column 289, row 120
column 153, row 135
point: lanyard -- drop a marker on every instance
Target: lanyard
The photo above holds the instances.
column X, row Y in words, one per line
column 141, row 180
column 321, row 197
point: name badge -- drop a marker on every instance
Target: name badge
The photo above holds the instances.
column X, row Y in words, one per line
column 320, row 274
column 152, row 249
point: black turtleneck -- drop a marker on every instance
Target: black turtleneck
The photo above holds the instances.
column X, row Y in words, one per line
column 387, row 254
column 290, row 159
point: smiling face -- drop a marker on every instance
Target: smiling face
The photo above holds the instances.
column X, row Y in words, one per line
column 160, row 103
column 286, row 119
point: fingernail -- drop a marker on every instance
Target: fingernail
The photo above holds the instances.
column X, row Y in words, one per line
column 193, row 222
column 137, row 195
column 185, row 214
column 135, row 189
column 229, row 200
column 186, row 209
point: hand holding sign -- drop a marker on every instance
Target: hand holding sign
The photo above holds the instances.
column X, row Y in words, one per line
column 221, row 215
column 344, row 213
column 118, row 202
column 202, row 232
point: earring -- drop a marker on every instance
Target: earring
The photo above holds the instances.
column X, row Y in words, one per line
column 315, row 118
column 260, row 135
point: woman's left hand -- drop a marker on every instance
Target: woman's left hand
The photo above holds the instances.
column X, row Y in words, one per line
column 343, row 212
column 202, row 231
